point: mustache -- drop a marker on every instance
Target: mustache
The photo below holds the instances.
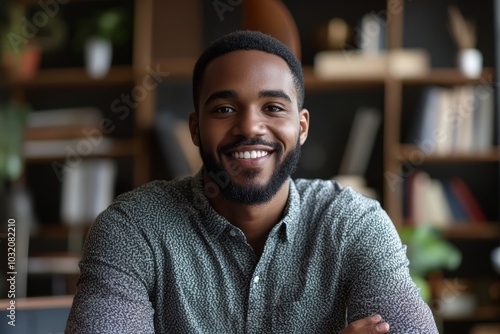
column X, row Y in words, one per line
column 250, row 142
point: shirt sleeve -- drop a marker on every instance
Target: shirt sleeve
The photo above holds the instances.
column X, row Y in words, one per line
column 112, row 292
column 378, row 275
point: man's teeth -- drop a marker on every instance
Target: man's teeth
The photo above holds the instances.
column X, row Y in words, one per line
column 249, row 154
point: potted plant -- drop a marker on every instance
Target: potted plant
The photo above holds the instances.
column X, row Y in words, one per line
column 24, row 40
column 428, row 252
column 106, row 29
column 469, row 58
column 20, row 55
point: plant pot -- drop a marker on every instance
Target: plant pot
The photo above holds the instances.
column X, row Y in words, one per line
column 470, row 62
column 25, row 65
column 98, row 57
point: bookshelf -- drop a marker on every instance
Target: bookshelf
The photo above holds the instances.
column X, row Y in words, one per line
column 416, row 25
column 61, row 83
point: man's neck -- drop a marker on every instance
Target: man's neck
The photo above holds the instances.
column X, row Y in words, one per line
column 256, row 221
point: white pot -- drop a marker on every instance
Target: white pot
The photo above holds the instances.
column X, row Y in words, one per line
column 98, row 57
column 470, row 62
column 495, row 259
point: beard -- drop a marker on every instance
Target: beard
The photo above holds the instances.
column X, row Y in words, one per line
column 251, row 194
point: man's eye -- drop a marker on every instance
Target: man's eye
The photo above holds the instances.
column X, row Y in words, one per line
column 273, row 108
column 224, row 110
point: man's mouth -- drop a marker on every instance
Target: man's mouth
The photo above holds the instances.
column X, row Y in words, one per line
column 249, row 154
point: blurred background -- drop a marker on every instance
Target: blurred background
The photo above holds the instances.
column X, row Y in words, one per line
column 95, row 95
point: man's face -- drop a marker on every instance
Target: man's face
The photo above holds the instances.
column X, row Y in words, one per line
column 249, row 128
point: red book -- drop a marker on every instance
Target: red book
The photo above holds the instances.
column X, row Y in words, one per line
column 467, row 200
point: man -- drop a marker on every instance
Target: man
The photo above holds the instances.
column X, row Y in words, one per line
column 241, row 247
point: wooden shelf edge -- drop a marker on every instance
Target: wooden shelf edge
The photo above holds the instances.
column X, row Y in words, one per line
column 112, row 148
column 39, row 302
column 312, row 82
column 468, row 230
column 473, row 231
column 451, row 76
column 485, row 313
column 72, row 76
column 413, row 152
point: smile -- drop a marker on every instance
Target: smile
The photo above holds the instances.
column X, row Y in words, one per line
column 249, row 154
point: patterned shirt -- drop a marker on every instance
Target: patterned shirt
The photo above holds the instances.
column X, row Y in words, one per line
column 160, row 259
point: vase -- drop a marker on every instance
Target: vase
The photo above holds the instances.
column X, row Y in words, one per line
column 98, row 57
column 470, row 62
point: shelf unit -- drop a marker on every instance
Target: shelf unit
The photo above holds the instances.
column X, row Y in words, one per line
column 70, row 86
column 396, row 153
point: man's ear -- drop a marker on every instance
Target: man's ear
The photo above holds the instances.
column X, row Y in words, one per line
column 304, row 125
column 194, row 128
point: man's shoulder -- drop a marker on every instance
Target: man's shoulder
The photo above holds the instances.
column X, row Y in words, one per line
column 312, row 190
column 319, row 192
column 158, row 193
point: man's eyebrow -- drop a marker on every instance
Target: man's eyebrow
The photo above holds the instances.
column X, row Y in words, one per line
column 275, row 93
column 222, row 94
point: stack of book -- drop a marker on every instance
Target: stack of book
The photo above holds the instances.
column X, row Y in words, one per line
column 455, row 120
column 432, row 201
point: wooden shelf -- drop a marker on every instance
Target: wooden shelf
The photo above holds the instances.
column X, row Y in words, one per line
column 451, row 76
column 483, row 313
column 55, row 150
column 468, row 230
column 73, row 76
column 39, row 302
column 175, row 67
column 313, row 83
column 473, row 231
column 413, row 152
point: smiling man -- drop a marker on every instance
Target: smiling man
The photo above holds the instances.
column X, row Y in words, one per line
column 241, row 247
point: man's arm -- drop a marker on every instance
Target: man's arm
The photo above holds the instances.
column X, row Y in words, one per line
column 112, row 294
column 379, row 278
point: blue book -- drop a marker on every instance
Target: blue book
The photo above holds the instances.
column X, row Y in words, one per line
column 458, row 212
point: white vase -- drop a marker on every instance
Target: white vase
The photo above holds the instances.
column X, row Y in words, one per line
column 470, row 62
column 98, row 57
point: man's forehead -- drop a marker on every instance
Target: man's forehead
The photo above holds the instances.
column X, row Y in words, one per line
column 256, row 56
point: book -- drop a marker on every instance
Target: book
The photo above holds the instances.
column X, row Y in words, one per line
column 458, row 212
column 483, row 119
column 63, row 117
column 465, row 110
column 456, row 120
column 417, row 188
column 427, row 201
column 437, row 208
column 442, row 130
column 361, row 140
column 86, row 190
column 423, row 132
column 467, row 200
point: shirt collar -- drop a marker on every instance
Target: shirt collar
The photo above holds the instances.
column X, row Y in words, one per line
column 216, row 224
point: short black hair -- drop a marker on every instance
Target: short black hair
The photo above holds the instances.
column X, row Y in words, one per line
column 248, row 40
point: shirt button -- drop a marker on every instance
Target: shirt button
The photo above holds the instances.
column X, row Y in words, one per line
column 256, row 279
column 232, row 233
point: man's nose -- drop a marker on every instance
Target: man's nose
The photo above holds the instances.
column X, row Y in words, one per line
column 249, row 123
